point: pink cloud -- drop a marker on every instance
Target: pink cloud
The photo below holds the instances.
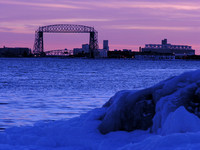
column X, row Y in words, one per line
column 132, row 27
column 51, row 5
column 116, row 4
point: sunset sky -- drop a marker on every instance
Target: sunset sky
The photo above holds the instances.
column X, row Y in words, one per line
column 126, row 24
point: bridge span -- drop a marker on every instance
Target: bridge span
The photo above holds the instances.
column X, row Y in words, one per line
column 38, row 47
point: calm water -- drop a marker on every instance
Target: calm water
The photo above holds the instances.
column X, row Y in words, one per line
column 51, row 88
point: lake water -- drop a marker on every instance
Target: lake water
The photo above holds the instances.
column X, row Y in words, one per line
column 46, row 89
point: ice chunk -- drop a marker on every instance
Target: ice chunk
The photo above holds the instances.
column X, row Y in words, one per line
column 167, row 104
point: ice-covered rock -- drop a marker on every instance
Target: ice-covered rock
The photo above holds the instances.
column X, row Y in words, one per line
column 150, row 108
column 181, row 121
column 128, row 110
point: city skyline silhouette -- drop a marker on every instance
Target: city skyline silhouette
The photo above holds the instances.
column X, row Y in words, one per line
column 127, row 24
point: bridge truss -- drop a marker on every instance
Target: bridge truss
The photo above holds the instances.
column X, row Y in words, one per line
column 38, row 48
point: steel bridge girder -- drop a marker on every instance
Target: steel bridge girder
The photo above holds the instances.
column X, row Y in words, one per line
column 65, row 28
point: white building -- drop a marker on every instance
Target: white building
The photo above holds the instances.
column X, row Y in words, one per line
column 177, row 50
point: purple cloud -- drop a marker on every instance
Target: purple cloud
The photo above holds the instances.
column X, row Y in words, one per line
column 124, row 23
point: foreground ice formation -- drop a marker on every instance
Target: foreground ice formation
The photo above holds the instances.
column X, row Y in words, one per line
column 150, row 108
column 168, row 114
column 180, row 121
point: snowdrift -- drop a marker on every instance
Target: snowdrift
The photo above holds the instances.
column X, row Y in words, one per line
column 165, row 116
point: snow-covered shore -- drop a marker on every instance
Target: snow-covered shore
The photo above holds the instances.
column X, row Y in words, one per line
column 165, row 116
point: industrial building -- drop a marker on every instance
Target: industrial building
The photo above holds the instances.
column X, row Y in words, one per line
column 98, row 53
column 82, row 52
column 102, row 53
column 179, row 51
column 15, row 52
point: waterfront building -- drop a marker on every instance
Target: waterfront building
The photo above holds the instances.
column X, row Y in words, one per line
column 85, row 51
column 127, row 50
column 77, row 51
column 101, row 53
column 153, row 56
column 86, row 48
column 166, row 48
column 82, row 52
column 121, row 54
column 105, row 45
column 15, row 52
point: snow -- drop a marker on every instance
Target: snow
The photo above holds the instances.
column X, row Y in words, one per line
column 164, row 117
column 79, row 133
column 181, row 121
